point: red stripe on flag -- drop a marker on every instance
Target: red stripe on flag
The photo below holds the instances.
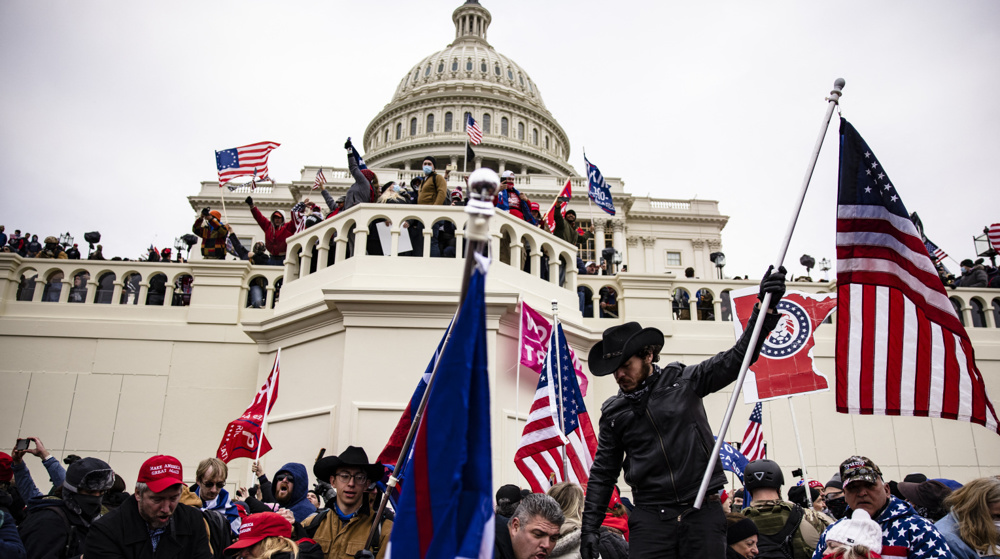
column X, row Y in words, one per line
column 894, row 369
column 867, row 347
column 922, row 388
column 949, row 405
column 843, row 345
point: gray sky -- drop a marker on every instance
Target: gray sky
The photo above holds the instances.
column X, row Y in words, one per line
column 111, row 111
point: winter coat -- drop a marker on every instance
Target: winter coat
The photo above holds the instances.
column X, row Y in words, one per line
column 213, row 239
column 568, row 545
column 341, row 540
column 433, row 190
column 975, row 277
column 26, row 485
column 274, row 239
column 904, row 533
column 123, row 534
column 564, row 230
column 503, row 548
column 663, row 438
column 52, row 530
column 298, row 503
column 611, row 545
column 948, row 526
column 10, row 542
column 361, row 192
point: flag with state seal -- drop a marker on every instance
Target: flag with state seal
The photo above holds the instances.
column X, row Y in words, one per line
column 785, row 366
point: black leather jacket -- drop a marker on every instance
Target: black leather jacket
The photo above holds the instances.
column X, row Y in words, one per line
column 664, row 440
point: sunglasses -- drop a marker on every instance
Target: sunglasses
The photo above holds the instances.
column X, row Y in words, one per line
column 210, row 484
column 284, row 477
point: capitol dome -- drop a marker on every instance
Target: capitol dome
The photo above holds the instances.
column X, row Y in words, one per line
column 429, row 108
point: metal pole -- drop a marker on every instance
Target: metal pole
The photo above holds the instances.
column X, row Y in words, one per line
column 798, row 441
column 832, row 101
column 554, row 343
column 482, row 185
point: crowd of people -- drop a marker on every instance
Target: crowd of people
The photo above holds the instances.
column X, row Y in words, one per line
column 974, row 274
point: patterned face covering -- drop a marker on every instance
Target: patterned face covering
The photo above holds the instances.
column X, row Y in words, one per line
column 638, row 395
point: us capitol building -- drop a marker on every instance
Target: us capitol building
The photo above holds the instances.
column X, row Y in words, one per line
column 122, row 371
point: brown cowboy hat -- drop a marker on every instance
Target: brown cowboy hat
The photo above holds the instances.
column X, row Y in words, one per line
column 354, row 456
column 620, row 343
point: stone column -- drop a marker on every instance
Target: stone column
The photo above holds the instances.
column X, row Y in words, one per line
column 289, row 268
column 536, row 263
column 571, row 278
column 596, row 300
column 503, row 166
column 168, row 296
column 324, row 256
column 67, row 284
column 524, row 169
column 554, row 270
column 618, row 238
column 647, row 249
column 92, row 287
column 515, row 255
column 599, row 225
column 340, row 250
column 305, row 262
column 633, row 245
column 360, row 242
column 699, row 258
column 143, row 292
column 479, row 161
column 269, row 301
column 116, row 294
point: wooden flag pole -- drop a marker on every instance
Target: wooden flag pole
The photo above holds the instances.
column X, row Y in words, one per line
column 832, row 102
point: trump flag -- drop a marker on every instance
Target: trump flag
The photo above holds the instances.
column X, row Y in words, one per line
column 535, row 333
column 785, row 366
column 445, row 509
column 244, row 434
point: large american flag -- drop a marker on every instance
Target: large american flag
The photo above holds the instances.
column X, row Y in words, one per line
column 244, row 161
column 539, row 455
column 753, row 439
column 901, row 349
column 474, row 131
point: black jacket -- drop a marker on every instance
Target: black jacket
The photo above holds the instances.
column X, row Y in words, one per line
column 502, row 546
column 122, row 533
column 664, row 440
column 52, row 530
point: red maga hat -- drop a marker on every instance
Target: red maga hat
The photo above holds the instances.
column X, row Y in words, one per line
column 262, row 525
column 161, row 472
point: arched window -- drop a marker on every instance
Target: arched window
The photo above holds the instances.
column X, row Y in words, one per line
column 534, row 136
column 726, row 307
column 448, row 121
column 496, row 69
column 430, row 124
column 504, row 126
column 520, row 78
column 468, row 65
column 386, row 136
column 53, row 287
column 486, row 123
column 257, row 294
column 465, row 121
column 157, row 290
column 399, row 130
column 78, row 293
column 682, row 304
column 520, row 130
column 996, row 312
column 510, row 74
column 26, row 289
column 413, row 126
column 416, row 74
column 978, row 313
column 454, row 65
column 482, row 66
column 546, row 141
column 130, row 289
column 957, row 303
column 105, row 288
column 441, row 66
column 427, row 72
column 182, row 291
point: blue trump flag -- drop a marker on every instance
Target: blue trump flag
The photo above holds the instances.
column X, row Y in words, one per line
column 599, row 190
column 732, row 460
column 357, row 155
column 445, row 508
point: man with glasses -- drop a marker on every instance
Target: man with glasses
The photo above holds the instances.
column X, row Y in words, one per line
column 342, row 530
column 290, row 488
column 210, row 486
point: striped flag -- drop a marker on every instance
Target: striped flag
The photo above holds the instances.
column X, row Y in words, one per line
column 993, row 234
column 243, row 161
column 550, row 217
column 901, row 348
column 937, row 255
column 539, row 455
column 474, row 131
column 320, row 179
column 753, row 439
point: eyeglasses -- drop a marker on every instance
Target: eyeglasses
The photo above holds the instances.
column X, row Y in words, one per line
column 283, row 477
column 359, row 478
column 216, row 485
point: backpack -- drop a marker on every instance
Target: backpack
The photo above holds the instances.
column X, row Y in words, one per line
column 220, row 533
column 779, row 546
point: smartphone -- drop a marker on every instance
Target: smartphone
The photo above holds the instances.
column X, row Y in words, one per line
column 22, row 444
column 451, row 167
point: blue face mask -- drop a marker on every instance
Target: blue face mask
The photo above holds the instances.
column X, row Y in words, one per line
column 396, row 188
column 428, row 169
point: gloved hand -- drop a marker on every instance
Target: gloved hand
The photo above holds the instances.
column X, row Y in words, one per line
column 249, row 201
column 347, row 145
column 364, row 554
column 588, row 546
column 204, row 212
column 773, row 283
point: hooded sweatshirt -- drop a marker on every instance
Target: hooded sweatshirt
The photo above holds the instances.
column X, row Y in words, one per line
column 274, row 239
column 298, row 504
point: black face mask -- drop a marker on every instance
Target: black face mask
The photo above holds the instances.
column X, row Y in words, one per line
column 837, row 507
column 89, row 505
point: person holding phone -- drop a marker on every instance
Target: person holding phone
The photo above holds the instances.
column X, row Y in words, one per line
column 22, row 476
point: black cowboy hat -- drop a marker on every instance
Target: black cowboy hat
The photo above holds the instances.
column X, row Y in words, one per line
column 620, row 343
column 354, row 456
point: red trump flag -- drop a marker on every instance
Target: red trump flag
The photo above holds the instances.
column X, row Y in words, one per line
column 785, row 366
column 245, row 434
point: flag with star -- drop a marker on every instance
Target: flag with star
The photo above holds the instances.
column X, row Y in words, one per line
column 250, row 160
column 901, row 347
column 539, row 455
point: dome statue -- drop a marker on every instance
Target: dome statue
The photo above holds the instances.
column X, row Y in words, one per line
column 429, row 110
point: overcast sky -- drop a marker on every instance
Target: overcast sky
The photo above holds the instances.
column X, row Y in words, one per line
column 111, row 111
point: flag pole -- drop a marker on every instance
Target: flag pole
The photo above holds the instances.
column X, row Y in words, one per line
column 517, row 369
column 480, row 210
column 832, row 102
column 554, row 341
column 798, row 441
column 267, row 409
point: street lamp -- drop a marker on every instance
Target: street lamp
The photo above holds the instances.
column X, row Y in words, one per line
column 824, row 265
column 66, row 240
column 719, row 260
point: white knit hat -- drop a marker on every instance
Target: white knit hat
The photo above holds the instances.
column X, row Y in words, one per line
column 860, row 529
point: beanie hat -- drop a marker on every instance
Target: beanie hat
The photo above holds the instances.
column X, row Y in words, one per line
column 740, row 531
column 432, row 160
column 6, row 472
column 369, row 175
column 968, row 263
column 859, row 529
column 89, row 474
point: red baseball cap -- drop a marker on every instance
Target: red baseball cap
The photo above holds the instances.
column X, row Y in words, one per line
column 6, row 472
column 161, row 472
column 262, row 525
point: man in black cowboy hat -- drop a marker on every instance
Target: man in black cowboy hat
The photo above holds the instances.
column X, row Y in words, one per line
column 342, row 530
column 657, row 428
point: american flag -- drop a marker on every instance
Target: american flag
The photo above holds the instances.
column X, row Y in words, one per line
column 320, row 179
column 901, row 349
column 474, row 131
column 937, row 255
column 243, row 161
column 993, row 234
column 539, row 455
column 753, row 438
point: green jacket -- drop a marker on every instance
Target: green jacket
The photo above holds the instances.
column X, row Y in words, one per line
column 770, row 518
